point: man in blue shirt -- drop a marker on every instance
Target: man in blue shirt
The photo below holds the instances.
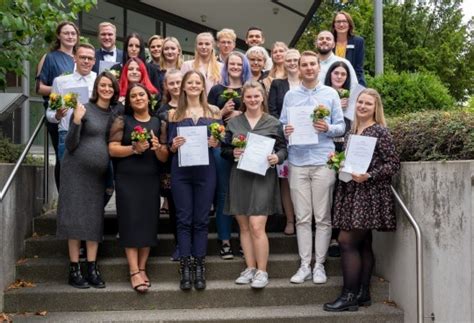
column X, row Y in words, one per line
column 311, row 181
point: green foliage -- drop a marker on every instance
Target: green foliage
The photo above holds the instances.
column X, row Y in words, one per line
column 26, row 25
column 411, row 92
column 417, row 38
column 434, row 135
column 9, row 152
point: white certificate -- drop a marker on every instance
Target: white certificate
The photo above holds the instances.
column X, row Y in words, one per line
column 195, row 150
column 359, row 152
column 304, row 132
column 105, row 65
column 255, row 157
column 81, row 91
column 350, row 110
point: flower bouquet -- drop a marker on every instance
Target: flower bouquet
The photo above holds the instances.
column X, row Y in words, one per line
column 140, row 134
column 336, row 160
column 153, row 101
column 230, row 94
column 55, row 101
column 239, row 141
column 70, row 100
column 320, row 112
column 217, row 131
column 343, row 93
column 115, row 73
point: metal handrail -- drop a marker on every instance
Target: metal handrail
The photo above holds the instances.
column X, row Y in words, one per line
column 23, row 155
column 419, row 258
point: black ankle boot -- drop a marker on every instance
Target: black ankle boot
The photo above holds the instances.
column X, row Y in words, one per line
column 185, row 271
column 93, row 275
column 346, row 302
column 199, row 270
column 363, row 296
column 75, row 276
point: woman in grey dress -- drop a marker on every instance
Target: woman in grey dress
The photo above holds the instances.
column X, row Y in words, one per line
column 253, row 197
column 83, row 174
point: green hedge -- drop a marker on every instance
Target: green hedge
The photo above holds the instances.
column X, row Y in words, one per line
column 434, row 135
column 411, row 92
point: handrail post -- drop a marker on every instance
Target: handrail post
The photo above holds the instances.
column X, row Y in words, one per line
column 46, row 167
column 419, row 258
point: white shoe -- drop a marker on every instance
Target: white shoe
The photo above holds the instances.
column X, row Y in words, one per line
column 260, row 280
column 303, row 273
column 319, row 274
column 246, row 276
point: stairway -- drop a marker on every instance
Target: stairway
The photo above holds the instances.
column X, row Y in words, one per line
column 46, row 266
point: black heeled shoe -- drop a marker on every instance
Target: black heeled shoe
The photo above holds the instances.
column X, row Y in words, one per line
column 199, row 270
column 346, row 302
column 75, row 276
column 363, row 296
column 185, row 271
column 94, row 277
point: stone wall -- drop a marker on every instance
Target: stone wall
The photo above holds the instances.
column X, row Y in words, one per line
column 440, row 196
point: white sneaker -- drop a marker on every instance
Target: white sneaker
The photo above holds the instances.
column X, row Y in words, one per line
column 260, row 280
column 303, row 273
column 246, row 276
column 319, row 274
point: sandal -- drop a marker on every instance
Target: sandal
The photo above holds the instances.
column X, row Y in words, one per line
column 139, row 288
column 147, row 282
column 164, row 210
column 289, row 229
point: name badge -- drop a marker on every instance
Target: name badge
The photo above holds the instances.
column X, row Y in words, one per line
column 350, row 46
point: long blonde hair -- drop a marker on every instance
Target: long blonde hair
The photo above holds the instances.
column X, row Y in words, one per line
column 378, row 117
column 179, row 61
column 274, row 68
column 180, row 113
column 214, row 70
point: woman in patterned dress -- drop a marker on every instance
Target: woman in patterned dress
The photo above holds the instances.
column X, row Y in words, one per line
column 363, row 204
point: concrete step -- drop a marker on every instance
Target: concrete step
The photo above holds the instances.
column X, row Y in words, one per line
column 46, row 223
column 59, row 297
column 160, row 269
column 377, row 313
column 48, row 246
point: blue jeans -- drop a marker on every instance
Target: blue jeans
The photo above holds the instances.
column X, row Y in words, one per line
column 223, row 221
column 61, row 144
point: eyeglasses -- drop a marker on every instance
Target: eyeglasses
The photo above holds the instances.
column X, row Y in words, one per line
column 86, row 58
column 341, row 22
column 69, row 33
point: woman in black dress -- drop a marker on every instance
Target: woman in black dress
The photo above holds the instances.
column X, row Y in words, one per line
column 137, row 181
column 363, row 204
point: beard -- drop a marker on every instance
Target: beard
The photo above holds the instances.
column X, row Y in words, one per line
column 324, row 51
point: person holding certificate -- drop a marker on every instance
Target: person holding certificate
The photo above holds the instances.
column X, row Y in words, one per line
column 316, row 109
column 252, row 197
column 363, row 204
column 193, row 187
column 135, row 149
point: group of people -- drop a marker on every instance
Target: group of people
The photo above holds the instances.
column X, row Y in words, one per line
column 127, row 138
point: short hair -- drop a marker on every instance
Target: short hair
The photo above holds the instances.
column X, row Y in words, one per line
column 308, row 53
column 253, row 28
column 258, row 50
column 152, row 38
column 351, row 30
column 85, row 45
column 106, row 24
column 251, row 84
column 228, row 33
column 95, row 96
column 246, row 72
column 378, row 113
column 57, row 43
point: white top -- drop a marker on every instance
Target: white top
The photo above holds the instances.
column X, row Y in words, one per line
column 326, row 64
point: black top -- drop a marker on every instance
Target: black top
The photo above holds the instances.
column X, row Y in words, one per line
column 278, row 89
column 214, row 97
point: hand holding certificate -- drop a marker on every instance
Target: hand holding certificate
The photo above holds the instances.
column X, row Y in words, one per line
column 255, row 157
column 302, row 123
column 195, row 150
column 359, row 152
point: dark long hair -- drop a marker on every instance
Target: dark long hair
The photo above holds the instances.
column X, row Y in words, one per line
column 328, row 81
column 115, row 86
column 141, row 53
column 128, row 108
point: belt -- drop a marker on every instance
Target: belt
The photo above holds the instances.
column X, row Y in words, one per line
column 338, row 139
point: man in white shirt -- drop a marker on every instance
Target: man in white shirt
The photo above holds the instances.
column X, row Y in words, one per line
column 82, row 77
column 107, row 52
column 255, row 37
column 325, row 43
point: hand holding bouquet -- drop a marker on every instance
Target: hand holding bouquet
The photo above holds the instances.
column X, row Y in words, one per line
column 70, row 100
column 230, row 94
column 140, row 134
column 239, row 142
column 343, row 93
column 336, row 160
column 217, row 131
column 320, row 112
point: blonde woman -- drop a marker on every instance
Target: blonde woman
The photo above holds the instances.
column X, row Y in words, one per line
column 171, row 54
column 205, row 61
column 278, row 70
column 155, row 44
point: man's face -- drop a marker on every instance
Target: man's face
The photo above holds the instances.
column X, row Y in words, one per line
column 107, row 37
column 85, row 59
column 254, row 38
column 324, row 42
column 225, row 45
column 309, row 68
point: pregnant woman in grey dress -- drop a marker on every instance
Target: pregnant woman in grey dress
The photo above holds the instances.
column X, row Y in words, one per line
column 83, row 174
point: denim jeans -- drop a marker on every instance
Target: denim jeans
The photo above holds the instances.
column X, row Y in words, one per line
column 61, row 144
column 223, row 221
